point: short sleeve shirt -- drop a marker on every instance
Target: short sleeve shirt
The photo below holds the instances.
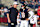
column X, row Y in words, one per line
column 33, row 19
column 13, row 12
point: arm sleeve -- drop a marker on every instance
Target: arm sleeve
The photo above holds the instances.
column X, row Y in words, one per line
column 37, row 16
column 30, row 17
column 8, row 10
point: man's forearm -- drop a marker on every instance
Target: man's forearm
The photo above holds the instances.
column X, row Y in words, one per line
column 8, row 16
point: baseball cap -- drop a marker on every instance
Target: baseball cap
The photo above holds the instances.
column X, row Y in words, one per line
column 15, row 3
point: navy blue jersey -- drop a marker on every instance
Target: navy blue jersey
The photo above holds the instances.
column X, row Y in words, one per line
column 26, row 13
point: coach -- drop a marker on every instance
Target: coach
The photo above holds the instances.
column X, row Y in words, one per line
column 12, row 15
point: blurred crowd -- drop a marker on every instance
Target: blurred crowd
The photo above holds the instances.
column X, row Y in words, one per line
column 3, row 16
column 31, row 3
column 34, row 4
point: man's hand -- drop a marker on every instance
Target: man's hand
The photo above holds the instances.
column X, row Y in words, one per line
column 38, row 22
column 27, row 19
column 9, row 21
